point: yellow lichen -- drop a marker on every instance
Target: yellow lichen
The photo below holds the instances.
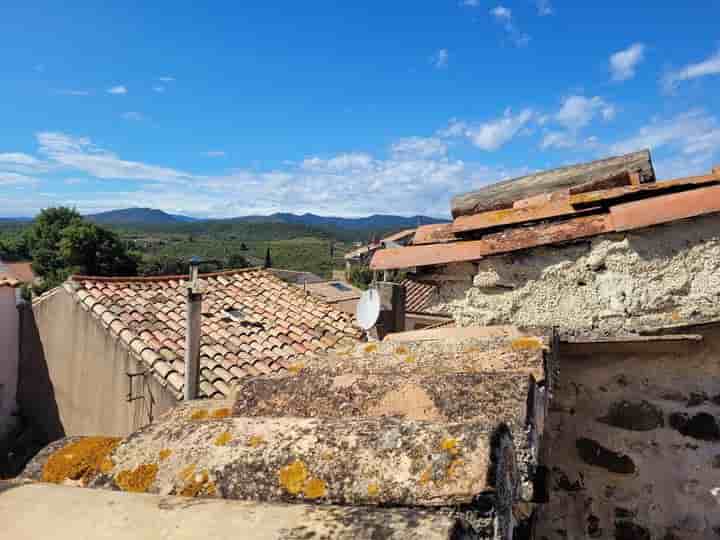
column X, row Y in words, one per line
column 198, row 484
column 314, row 488
column 426, row 476
column 373, row 490
column 292, row 477
column 164, row 454
column 370, row 348
column 453, row 468
column 106, row 466
column 450, row 446
column 296, row 368
column 528, row 343
column 81, row 460
column 137, row 480
column 675, row 315
column 255, row 440
column 187, row 472
column 221, row 413
column 223, row 439
column 410, row 359
column 402, row 349
column 200, row 414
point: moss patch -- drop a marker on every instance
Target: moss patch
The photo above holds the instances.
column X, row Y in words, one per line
column 137, row 480
column 81, row 460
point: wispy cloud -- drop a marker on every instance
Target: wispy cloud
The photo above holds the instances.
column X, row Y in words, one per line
column 439, row 59
column 493, row 134
column 166, row 79
column 133, row 116
column 11, row 178
column 158, row 88
column 419, row 148
column 117, row 90
column 80, row 154
column 578, row 111
column 23, row 163
column 544, row 8
column 709, row 66
column 471, row 3
column 693, row 133
column 70, row 92
column 504, row 16
column 623, row 63
column 215, row 153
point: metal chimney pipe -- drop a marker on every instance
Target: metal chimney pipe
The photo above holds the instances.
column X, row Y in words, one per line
column 193, row 331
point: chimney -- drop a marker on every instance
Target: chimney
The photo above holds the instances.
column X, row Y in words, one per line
column 392, row 308
column 192, row 336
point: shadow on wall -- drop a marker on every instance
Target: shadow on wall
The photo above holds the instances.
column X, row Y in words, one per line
column 36, row 395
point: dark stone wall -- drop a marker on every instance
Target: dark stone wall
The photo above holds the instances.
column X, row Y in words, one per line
column 633, row 443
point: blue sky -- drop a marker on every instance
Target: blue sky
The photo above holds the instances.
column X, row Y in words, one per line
column 340, row 108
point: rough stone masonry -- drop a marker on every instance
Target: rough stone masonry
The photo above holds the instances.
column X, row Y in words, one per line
column 611, row 285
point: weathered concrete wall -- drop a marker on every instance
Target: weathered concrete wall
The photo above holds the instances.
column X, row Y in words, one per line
column 610, row 284
column 633, row 446
column 73, row 374
column 8, row 360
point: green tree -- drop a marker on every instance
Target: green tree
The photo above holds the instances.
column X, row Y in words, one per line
column 235, row 260
column 268, row 260
column 62, row 243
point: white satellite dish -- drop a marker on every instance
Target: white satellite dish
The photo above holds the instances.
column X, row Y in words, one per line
column 368, row 309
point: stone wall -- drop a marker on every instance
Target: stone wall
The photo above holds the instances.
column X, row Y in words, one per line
column 8, row 361
column 633, row 445
column 610, row 284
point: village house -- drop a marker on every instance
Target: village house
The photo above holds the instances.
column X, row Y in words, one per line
column 361, row 256
column 573, row 393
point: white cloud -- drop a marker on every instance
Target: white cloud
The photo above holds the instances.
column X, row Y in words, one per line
column 694, row 133
column 22, row 163
column 118, row 90
column 493, row 134
column 440, row 59
column 503, row 15
column 80, row 154
column 471, row 3
column 11, row 178
column 158, row 88
column 166, row 79
column 215, row 153
column 418, row 148
column 709, row 66
column 578, row 111
column 73, row 92
column 558, row 139
column 544, row 8
column 623, row 63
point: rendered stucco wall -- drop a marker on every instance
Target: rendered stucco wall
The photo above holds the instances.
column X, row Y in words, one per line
column 610, row 284
column 8, row 359
column 73, row 374
column 633, row 441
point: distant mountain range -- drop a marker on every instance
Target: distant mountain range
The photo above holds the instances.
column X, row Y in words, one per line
column 152, row 216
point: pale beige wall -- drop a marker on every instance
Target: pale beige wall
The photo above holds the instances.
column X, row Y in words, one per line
column 673, row 491
column 73, row 374
column 8, row 359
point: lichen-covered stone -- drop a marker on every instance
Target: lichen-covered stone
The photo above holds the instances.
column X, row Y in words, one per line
column 346, row 461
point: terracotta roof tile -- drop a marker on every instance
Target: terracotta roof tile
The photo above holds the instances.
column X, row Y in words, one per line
column 148, row 315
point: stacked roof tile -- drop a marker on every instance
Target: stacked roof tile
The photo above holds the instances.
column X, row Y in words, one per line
column 252, row 323
column 615, row 204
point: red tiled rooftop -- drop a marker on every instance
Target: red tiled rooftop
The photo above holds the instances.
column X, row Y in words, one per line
column 279, row 323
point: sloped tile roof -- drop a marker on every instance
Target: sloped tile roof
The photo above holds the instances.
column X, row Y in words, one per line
column 559, row 217
column 8, row 281
column 22, row 271
column 278, row 324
